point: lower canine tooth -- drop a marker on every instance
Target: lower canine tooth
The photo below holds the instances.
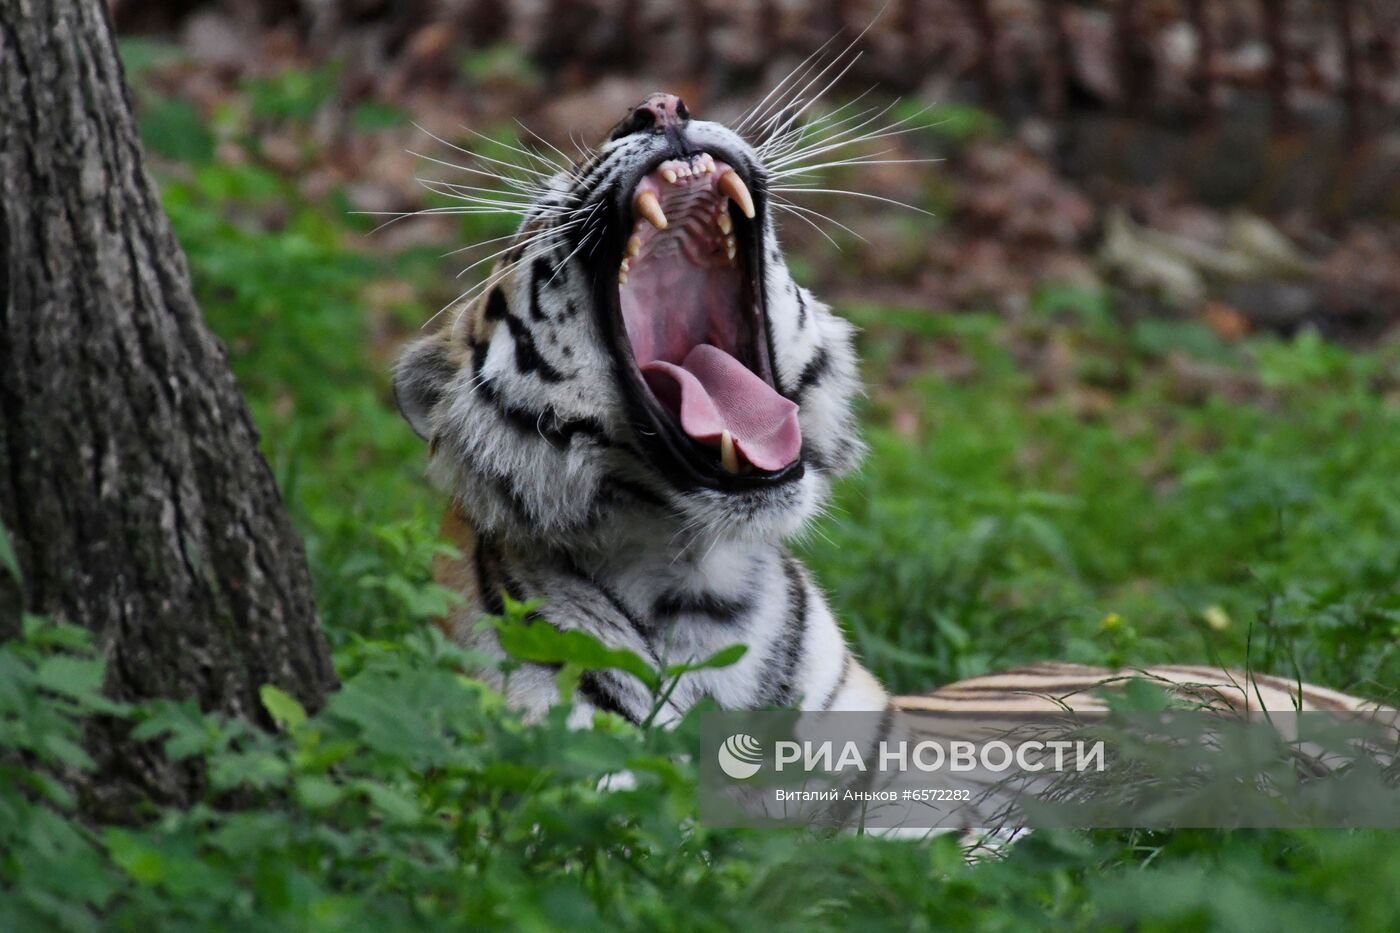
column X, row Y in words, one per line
column 649, row 207
column 728, row 456
column 733, row 186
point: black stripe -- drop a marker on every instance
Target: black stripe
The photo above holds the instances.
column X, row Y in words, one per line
column 539, row 269
column 787, row 651
column 496, row 307
column 1059, row 689
column 486, row 583
column 479, row 349
column 507, row 490
column 801, row 308
column 813, row 372
column 721, row 609
column 527, row 355
column 595, row 689
column 626, row 613
column 547, row 423
column 840, row 681
column 1301, row 692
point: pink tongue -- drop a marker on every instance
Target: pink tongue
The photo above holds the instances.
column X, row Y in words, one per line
column 713, row 392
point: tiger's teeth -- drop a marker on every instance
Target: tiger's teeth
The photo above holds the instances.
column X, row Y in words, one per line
column 734, row 188
column 634, row 245
column 728, row 456
column 725, row 224
column 626, row 267
column 730, row 247
column 621, row 277
column 649, row 207
column 669, row 175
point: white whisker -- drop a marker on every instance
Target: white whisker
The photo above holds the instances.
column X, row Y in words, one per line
column 789, row 206
column 854, row 194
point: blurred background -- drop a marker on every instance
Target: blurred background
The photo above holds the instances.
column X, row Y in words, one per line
column 1134, row 392
column 1233, row 160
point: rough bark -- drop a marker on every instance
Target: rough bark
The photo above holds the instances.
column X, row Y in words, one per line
column 130, row 477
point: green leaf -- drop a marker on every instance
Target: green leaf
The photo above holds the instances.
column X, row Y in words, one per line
column 393, row 804
column 318, row 793
column 136, row 857
column 68, row 752
column 544, row 644
column 75, row 677
column 724, row 657
column 284, row 709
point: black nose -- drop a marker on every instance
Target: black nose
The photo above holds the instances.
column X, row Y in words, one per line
column 659, row 113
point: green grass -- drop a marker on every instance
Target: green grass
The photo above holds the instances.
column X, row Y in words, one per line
column 1072, row 485
column 1019, row 519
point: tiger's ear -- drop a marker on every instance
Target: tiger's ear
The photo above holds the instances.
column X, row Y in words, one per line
column 421, row 376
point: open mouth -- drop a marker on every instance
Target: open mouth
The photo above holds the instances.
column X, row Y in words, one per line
column 689, row 298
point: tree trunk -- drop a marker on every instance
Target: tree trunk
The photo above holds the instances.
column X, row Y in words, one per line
column 130, row 477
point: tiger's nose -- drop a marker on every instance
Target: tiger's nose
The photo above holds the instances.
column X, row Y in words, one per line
column 663, row 110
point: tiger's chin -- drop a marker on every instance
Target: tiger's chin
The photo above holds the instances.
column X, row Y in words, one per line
column 681, row 295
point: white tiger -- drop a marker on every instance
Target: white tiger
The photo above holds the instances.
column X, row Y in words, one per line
column 637, row 413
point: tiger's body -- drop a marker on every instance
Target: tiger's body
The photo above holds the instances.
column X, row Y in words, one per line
column 636, row 413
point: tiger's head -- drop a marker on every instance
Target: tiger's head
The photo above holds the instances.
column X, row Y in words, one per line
column 640, row 357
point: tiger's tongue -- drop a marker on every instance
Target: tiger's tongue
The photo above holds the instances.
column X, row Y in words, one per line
column 712, row 392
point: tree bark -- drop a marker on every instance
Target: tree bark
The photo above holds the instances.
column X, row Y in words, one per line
column 130, row 477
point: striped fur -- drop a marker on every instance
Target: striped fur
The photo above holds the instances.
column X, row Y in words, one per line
column 555, row 500
column 521, row 400
column 1057, row 686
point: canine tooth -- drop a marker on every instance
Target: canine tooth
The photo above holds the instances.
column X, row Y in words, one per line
column 734, row 188
column 725, row 224
column 728, row 456
column 634, row 245
column 669, row 175
column 650, row 208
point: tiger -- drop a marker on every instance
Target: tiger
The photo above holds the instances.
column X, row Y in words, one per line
column 636, row 414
